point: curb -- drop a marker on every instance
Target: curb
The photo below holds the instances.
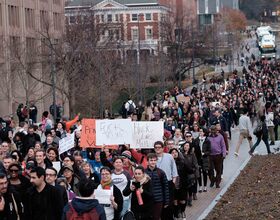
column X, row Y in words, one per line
column 223, row 191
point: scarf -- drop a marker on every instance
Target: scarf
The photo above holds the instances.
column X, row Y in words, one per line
column 106, row 185
column 144, row 180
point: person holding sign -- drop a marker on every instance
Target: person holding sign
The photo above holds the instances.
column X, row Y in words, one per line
column 142, row 195
column 109, row 195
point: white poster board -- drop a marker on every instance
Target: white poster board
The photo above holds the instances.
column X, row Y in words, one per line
column 146, row 133
column 66, row 143
column 103, row 196
column 110, row 132
column 56, row 165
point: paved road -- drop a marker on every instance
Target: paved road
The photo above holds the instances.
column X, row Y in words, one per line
column 232, row 166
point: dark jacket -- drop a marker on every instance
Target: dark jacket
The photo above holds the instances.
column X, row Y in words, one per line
column 44, row 205
column 29, row 140
column 190, row 164
column 9, row 212
column 85, row 205
column 202, row 160
column 160, row 185
column 142, row 211
column 63, row 193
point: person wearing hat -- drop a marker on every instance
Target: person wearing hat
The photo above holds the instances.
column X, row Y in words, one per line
column 72, row 179
column 128, row 164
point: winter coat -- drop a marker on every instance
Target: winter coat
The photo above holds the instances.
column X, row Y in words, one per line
column 160, row 185
column 85, row 205
column 202, row 156
column 142, row 211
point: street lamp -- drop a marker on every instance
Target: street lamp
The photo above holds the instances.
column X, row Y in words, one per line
column 140, row 95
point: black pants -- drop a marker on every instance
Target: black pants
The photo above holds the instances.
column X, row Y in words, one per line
column 167, row 213
column 216, row 163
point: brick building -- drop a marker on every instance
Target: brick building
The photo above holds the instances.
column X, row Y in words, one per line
column 133, row 25
column 22, row 24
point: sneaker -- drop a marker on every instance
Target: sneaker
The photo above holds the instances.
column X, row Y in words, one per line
column 236, row 154
column 205, row 189
column 251, row 153
column 218, row 186
column 200, row 189
column 272, row 143
column 212, row 184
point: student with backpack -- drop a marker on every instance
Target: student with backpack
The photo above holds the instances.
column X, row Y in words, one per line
column 130, row 107
column 84, row 207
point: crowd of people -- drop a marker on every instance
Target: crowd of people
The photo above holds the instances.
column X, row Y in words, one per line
column 142, row 184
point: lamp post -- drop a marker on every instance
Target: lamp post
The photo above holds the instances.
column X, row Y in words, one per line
column 139, row 84
column 53, row 80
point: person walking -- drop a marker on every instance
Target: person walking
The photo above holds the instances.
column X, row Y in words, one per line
column 244, row 127
column 217, row 155
column 262, row 134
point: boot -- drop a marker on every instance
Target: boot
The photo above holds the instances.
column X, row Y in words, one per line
column 176, row 211
column 183, row 207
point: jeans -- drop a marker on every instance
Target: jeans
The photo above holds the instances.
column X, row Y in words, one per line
column 265, row 140
column 126, row 206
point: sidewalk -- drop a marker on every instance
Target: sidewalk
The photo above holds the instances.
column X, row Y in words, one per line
column 232, row 165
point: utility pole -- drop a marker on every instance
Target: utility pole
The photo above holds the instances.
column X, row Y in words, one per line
column 139, row 83
column 53, row 74
column 193, row 48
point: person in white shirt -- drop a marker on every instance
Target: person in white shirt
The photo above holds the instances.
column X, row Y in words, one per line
column 244, row 127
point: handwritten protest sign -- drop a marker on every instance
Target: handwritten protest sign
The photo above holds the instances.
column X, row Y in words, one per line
column 88, row 135
column 110, row 132
column 66, row 143
column 145, row 134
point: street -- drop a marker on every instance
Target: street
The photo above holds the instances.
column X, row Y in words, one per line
column 232, row 166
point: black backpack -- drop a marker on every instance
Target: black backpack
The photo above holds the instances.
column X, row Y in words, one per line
column 131, row 107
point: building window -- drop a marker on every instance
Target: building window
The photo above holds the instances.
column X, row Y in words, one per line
column 44, row 20
column 134, row 34
column 102, row 18
column 117, row 34
column 29, row 18
column 117, row 17
column 31, row 46
column 72, row 19
column 149, row 33
column 56, row 21
column 109, row 18
column 13, row 12
column 134, row 17
column 148, row 17
column 14, row 46
column 57, row 2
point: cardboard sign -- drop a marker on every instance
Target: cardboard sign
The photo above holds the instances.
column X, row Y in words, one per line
column 146, row 133
column 111, row 132
column 88, row 135
column 181, row 98
column 66, row 143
